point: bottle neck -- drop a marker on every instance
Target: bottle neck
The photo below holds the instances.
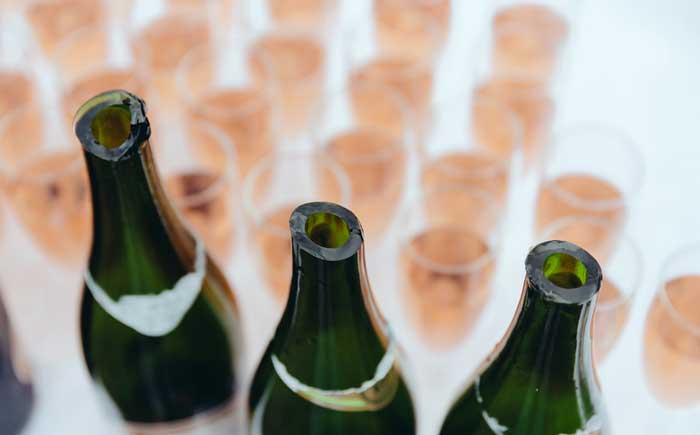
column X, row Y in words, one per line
column 134, row 227
column 551, row 339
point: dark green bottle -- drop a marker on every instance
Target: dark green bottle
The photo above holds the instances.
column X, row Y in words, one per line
column 159, row 323
column 331, row 366
column 16, row 392
column 540, row 380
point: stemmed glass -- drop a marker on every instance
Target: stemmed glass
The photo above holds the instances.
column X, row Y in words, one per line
column 294, row 64
column 87, row 65
column 271, row 191
column 199, row 173
column 672, row 340
column 470, row 143
column 49, row 228
column 365, row 130
column 590, row 170
column 53, row 20
column 448, row 250
column 214, row 90
column 401, row 57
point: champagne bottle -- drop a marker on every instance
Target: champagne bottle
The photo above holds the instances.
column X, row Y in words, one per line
column 331, row 367
column 541, row 380
column 16, row 392
column 159, row 323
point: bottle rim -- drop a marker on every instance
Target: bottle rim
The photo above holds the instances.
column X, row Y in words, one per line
column 535, row 264
column 140, row 129
column 302, row 241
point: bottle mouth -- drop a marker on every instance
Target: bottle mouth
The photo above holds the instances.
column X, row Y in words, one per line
column 326, row 230
column 563, row 272
column 111, row 124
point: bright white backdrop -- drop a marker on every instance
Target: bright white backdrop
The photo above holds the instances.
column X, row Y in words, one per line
column 633, row 64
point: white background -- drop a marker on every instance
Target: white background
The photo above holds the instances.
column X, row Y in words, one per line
column 633, row 64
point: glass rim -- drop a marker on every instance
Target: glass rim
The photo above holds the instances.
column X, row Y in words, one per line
column 678, row 317
column 621, row 238
column 206, row 51
column 267, row 164
column 224, row 177
column 519, row 28
column 184, row 14
column 472, row 100
column 621, row 140
column 401, row 143
column 289, row 32
column 14, row 171
column 475, row 265
column 492, row 170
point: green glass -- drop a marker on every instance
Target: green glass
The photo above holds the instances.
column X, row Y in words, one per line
column 541, row 378
column 159, row 322
column 16, row 391
column 331, row 367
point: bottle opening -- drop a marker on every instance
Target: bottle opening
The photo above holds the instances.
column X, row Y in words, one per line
column 564, row 270
column 327, row 230
column 111, row 125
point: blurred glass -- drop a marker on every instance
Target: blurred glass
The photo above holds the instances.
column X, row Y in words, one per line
column 307, row 14
column 390, row 15
column 53, row 20
column 216, row 91
column 271, row 191
column 621, row 262
column 589, row 170
column 403, row 59
column 17, row 88
column 48, row 231
column 471, row 144
column 293, row 62
column 672, row 333
column 448, row 248
column 160, row 46
column 366, row 131
column 46, row 184
column 199, row 173
column 87, row 66
column 530, row 102
column 527, row 39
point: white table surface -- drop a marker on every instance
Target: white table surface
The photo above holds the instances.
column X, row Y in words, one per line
column 634, row 64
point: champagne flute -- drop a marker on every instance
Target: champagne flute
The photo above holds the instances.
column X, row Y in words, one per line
column 271, row 191
column 621, row 262
column 309, row 14
column 365, row 130
column 53, row 20
column 599, row 182
column 392, row 14
column 404, row 62
column 448, row 253
column 293, row 62
column 49, row 228
column 199, row 173
column 527, row 38
column 470, row 143
column 214, row 90
column 160, row 45
column 672, row 332
column 87, row 66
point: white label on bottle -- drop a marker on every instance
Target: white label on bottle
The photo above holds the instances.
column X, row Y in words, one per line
column 371, row 395
column 159, row 314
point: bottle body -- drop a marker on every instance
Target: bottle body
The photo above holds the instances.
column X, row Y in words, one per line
column 16, row 391
column 159, row 323
column 332, row 365
column 540, row 379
